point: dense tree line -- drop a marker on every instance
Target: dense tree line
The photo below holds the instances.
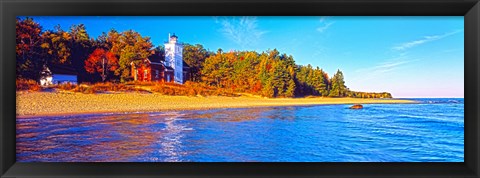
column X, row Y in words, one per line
column 356, row 94
column 75, row 48
column 272, row 74
column 267, row 73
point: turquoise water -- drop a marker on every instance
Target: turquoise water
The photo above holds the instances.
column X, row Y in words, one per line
column 430, row 131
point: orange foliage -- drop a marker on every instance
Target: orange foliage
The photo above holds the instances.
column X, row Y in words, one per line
column 94, row 63
column 189, row 89
column 257, row 87
column 269, row 66
column 105, row 87
column 27, row 84
column 66, row 86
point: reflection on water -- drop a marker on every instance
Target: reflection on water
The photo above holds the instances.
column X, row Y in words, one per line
column 428, row 132
column 82, row 138
column 171, row 142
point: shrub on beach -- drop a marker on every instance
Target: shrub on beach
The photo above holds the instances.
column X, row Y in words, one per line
column 140, row 83
column 162, row 88
column 165, row 88
column 89, row 90
column 27, row 85
column 108, row 87
column 66, row 86
column 84, row 89
column 189, row 89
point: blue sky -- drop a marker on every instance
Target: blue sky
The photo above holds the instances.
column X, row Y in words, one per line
column 407, row 56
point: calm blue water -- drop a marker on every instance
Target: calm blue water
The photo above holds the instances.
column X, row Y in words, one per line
column 431, row 131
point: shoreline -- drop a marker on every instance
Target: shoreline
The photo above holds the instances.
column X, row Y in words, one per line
column 49, row 104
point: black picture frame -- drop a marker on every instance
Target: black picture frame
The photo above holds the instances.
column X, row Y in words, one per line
column 9, row 9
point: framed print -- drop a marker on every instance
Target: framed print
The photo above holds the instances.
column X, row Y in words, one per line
column 233, row 89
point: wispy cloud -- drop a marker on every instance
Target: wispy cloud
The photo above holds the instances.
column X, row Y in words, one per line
column 381, row 69
column 243, row 31
column 324, row 24
column 387, row 66
column 423, row 40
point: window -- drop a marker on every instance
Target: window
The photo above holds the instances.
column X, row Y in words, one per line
column 145, row 75
column 156, row 73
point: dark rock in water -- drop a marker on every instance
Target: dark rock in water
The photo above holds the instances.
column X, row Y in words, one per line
column 356, row 106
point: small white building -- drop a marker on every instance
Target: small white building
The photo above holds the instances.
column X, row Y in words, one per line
column 58, row 74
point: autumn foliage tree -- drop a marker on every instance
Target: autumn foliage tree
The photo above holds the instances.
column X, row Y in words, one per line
column 270, row 74
column 129, row 46
column 56, row 45
column 101, row 62
column 28, row 50
column 338, row 85
column 194, row 56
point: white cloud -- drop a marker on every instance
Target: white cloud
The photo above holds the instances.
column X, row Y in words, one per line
column 321, row 29
column 324, row 24
column 243, row 31
column 425, row 39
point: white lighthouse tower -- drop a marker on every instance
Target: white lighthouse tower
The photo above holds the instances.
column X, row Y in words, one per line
column 174, row 58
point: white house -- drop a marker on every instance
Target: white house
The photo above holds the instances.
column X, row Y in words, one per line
column 58, row 74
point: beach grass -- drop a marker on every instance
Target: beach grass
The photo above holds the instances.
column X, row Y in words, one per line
column 67, row 103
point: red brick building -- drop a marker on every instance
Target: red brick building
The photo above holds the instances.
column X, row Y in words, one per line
column 149, row 70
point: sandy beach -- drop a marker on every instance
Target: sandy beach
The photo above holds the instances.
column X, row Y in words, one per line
column 64, row 103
